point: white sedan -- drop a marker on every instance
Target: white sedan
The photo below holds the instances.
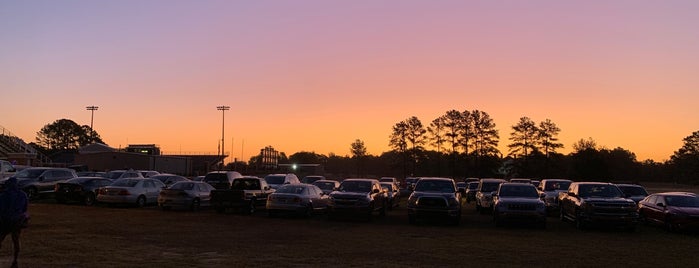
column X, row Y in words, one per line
column 139, row 192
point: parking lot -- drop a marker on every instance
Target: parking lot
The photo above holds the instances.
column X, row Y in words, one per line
column 100, row 236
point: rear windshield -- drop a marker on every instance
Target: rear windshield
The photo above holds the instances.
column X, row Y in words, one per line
column 356, row 186
column 245, row 184
column 291, row 189
column 182, row 186
column 682, row 201
column 275, row 179
column 435, row 186
column 29, row 173
column 216, row 177
column 490, row 186
column 633, row 190
column 325, row 185
column 556, row 185
column 518, row 191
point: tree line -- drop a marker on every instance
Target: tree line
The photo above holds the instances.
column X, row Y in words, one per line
column 459, row 144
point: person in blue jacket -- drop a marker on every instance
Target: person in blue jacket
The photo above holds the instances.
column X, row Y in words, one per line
column 13, row 214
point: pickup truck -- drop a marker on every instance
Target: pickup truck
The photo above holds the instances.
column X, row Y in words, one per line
column 597, row 202
column 246, row 194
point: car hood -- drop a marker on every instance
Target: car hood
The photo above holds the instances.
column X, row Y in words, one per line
column 521, row 200
column 685, row 210
column 432, row 194
column 613, row 200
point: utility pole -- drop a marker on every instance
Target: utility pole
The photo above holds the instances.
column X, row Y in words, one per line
column 223, row 110
column 92, row 109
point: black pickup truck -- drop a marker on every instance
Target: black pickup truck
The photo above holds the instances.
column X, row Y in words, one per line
column 599, row 203
column 246, row 194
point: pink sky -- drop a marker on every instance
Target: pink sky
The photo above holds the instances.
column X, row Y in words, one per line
column 316, row 75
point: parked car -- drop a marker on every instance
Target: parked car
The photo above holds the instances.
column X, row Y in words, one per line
column 91, row 174
column 410, row 183
column 221, row 179
column 80, row 189
column 674, row 210
column 186, row 194
column 435, row 198
column 123, row 174
column 461, row 187
column 312, row 178
column 470, row 193
column 597, row 203
column 518, row 202
column 328, row 186
column 634, row 192
column 7, row 169
column 131, row 191
column 390, row 179
column 358, row 196
column 37, row 181
column 393, row 194
column 303, row 199
column 246, row 194
column 484, row 194
column 550, row 189
column 277, row 180
column 169, row 179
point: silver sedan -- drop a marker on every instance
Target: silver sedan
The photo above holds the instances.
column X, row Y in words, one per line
column 136, row 191
column 186, row 194
column 304, row 199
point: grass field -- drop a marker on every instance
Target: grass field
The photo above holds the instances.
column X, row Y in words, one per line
column 78, row 236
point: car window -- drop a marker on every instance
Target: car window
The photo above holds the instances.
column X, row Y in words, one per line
column 245, row 184
column 435, row 186
column 651, row 199
column 518, row 191
column 182, row 186
column 356, row 186
column 682, row 201
column 292, row 189
column 599, row 190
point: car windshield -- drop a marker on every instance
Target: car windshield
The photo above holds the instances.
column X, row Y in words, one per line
column 556, row 185
column 325, row 185
column 275, row 179
column 356, row 186
column 599, row 190
column 182, row 186
column 30, row 173
column 682, row 201
column 126, row 182
column 518, row 191
column 441, row 186
column 472, row 185
column 490, row 186
column 633, row 190
column 291, row 189
column 246, row 184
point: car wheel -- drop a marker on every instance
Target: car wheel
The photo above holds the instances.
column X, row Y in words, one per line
column 642, row 218
column 89, row 199
column 32, row 193
column 141, row 201
column 562, row 215
column 669, row 226
column 195, row 205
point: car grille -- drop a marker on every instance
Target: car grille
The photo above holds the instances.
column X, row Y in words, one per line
column 527, row 207
column 611, row 208
column 432, row 202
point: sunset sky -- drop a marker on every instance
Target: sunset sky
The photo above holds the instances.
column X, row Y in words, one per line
column 316, row 75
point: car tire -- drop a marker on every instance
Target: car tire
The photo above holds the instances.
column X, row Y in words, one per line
column 580, row 224
column 669, row 226
column 89, row 199
column 196, row 204
column 141, row 201
column 32, row 193
column 562, row 215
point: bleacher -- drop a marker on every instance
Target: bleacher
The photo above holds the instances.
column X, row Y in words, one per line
column 11, row 145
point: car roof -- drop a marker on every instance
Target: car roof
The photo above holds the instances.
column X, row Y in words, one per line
column 492, row 180
column 676, row 193
column 360, row 179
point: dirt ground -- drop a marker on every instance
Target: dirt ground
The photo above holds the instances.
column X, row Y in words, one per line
column 79, row 236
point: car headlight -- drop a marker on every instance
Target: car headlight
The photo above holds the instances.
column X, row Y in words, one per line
column 412, row 201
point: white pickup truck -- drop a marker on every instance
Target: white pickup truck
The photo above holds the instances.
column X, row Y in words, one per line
column 6, row 169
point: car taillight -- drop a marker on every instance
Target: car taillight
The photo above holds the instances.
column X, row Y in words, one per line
column 123, row 192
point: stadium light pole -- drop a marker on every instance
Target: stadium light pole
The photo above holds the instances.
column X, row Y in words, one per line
column 223, row 110
column 92, row 109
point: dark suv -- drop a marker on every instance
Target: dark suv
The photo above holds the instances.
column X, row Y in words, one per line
column 597, row 202
column 42, row 180
column 435, row 198
column 362, row 196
